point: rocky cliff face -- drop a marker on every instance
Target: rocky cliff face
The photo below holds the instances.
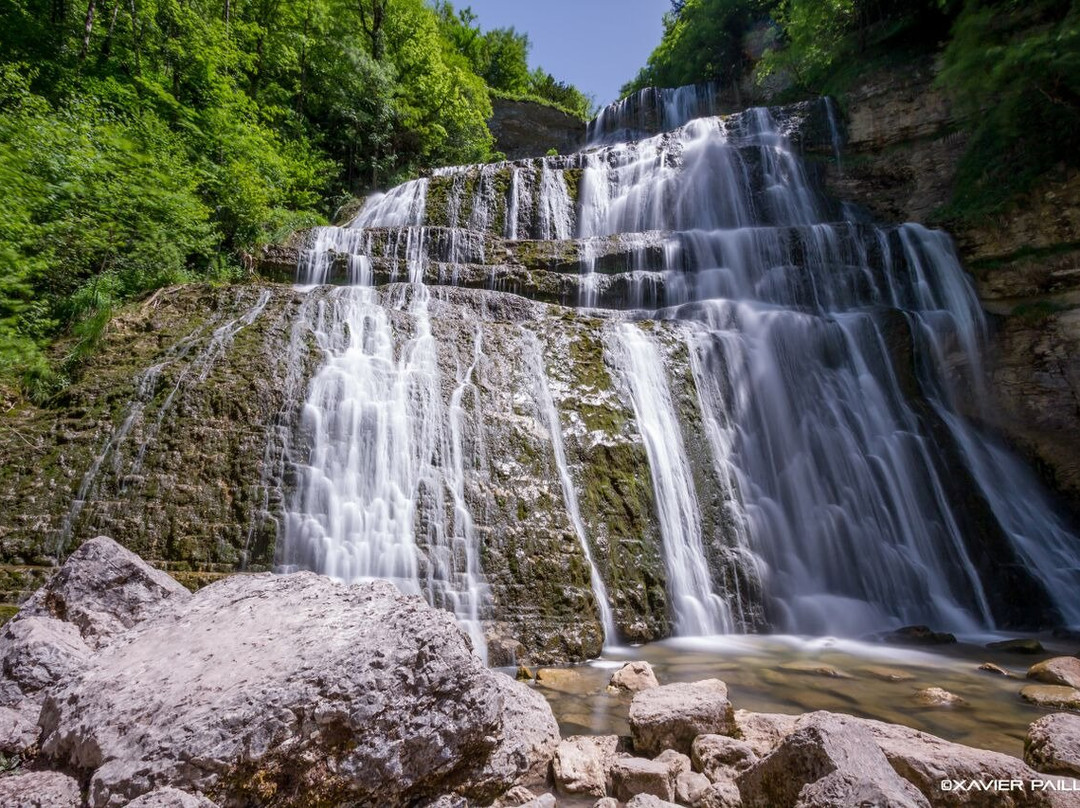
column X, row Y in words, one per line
column 527, row 129
column 903, row 143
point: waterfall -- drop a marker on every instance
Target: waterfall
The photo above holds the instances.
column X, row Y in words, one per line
column 698, row 608
column 824, row 364
column 535, row 362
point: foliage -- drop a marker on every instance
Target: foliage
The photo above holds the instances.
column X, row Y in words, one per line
column 1015, row 69
column 702, row 41
column 150, row 142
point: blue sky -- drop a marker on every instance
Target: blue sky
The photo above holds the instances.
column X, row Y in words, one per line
column 598, row 45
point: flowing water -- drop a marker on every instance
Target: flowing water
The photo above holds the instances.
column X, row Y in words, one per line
column 828, row 358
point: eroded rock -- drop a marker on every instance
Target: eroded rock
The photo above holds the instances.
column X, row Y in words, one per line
column 170, row 798
column 829, row 761
column 581, row 764
column 302, row 688
column 936, row 697
column 36, row 652
column 1063, row 671
column 721, row 758
column 689, row 786
column 1051, row 696
column 631, row 776
column 671, row 716
column 1053, row 744
column 40, row 790
column 763, row 731
column 103, row 590
column 633, row 677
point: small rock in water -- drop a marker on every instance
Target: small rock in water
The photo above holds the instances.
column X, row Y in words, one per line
column 937, row 697
column 815, row 669
column 1054, row 696
column 990, row 667
column 633, row 677
column 1053, row 745
column 564, row 680
column 524, row 674
column 1029, row 646
column 919, row 635
column 1057, row 671
column 888, row 674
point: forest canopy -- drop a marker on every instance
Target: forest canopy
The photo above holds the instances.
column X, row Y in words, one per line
column 150, row 142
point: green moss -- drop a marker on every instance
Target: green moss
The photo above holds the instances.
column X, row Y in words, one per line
column 437, row 212
column 572, row 177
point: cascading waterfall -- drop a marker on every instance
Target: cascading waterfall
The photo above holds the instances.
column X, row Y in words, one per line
column 828, row 354
column 535, row 362
column 385, row 449
column 698, row 609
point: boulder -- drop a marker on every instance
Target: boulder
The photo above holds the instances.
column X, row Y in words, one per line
column 299, row 688
column 18, row 728
column 630, row 776
column 581, row 764
column 103, row 590
column 1063, row 671
column 39, row 790
column 829, row 761
column 721, row 758
column 927, row 761
column 763, row 732
column 1053, row 744
column 936, row 697
column 36, row 653
column 689, row 786
column 170, row 798
column 1054, row 697
column 633, row 677
column 1021, row 646
column 606, row 802
column 671, row 716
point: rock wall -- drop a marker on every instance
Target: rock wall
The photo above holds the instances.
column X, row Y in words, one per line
column 527, row 129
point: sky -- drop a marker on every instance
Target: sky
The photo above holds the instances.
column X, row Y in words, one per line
column 597, row 45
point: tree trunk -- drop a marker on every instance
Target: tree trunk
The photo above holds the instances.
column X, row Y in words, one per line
column 91, row 8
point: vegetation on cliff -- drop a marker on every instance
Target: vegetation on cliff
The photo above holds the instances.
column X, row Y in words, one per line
column 153, row 142
column 1013, row 67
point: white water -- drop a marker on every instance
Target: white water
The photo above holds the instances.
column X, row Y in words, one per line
column 698, row 609
column 385, row 450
